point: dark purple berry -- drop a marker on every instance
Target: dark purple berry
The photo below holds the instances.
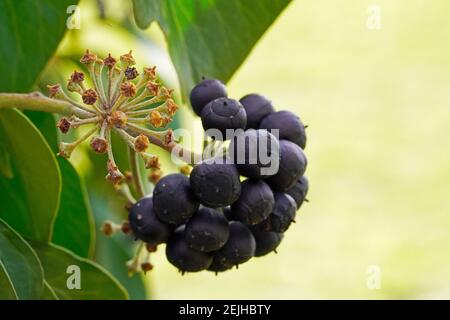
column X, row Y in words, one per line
column 229, row 214
column 255, row 203
column 299, row 190
column 257, row 107
column 173, row 199
column 239, row 248
column 283, row 213
column 224, row 115
column 292, row 166
column 207, row 230
column 256, row 153
column 289, row 125
column 145, row 225
column 205, row 92
column 216, row 184
column 183, row 257
column 266, row 241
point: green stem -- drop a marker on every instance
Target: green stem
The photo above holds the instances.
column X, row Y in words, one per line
column 38, row 102
column 138, row 185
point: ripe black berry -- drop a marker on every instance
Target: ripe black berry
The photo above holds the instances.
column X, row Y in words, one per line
column 239, row 248
column 256, row 153
column 206, row 91
column 299, row 190
column 292, row 166
column 283, row 213
column 215, row 184
column 257, row 107
column 145, row 225
column 266, row 241
column 223, row 114
column 289, row 125
column 229, row 214
column 182, row 256
column 207, row 230
column 173, row 199
column 255, row 203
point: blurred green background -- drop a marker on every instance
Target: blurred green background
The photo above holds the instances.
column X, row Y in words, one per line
column 376, row 102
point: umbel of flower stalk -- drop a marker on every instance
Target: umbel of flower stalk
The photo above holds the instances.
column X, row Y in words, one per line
column 133, row 104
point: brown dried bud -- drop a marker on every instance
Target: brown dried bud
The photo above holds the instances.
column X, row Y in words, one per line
column 169, row 138
column 108, row 228
column 54, row 90
column 63, row 125
column 151, row 161
column 125, row 228
column 150, row 73
column 172, row 107
column 118, row 119
column 128, row 177
column 151, row 247
column 131, row 73
column 110, row 61
column 166, row 93
column 65, row 150
column 155, row 175
column 77, row 77
column 128, row 89
column 114, row 175
column 89, row 96
column 146, row 266
column 128, row 59
column 156, row 119
column 185, row 169
column 99, row 145
column 88, row 58
column 141, row 143
column 153, row 88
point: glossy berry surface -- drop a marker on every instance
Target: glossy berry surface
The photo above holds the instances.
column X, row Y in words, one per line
column 299, row 191
column 292, row 166
column 283, row 213
column 173, row 199
column 205, row 92
column 145, row 225
column 256, row 153
column 239, row 248
column 224, row 115
column 289, row 125
column 216, row 184
column 257, row 107
column 207, row 230
column 255, row 203
column 182, row 256
column 266, row 241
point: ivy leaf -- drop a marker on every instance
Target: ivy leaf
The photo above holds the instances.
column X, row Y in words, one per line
column 21, row 275
column 49, row 293
column 209, row 38
column 30, row 31
column 95, row 282
column 30, row 198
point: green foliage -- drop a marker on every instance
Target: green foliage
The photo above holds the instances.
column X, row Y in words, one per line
column 30, row 31
column 208, row 38
column 21, row 275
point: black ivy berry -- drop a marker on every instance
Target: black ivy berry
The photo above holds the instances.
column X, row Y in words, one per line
column 183, row 257
column 216, row 184
column 207, row 230
column 266, row 241
column 255, row 203
column 256, row 153
column 292, row 166
column 257, row 107
column 283, row 213
column 299, row 190
column 223, row 114
column 173, row 199
column 145, row 225
column 289, row 125
column 229, row 214
column 206, row 91
column 239, row 248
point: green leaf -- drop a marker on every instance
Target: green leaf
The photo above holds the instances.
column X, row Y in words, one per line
column 29, row 199
column 30, row 31
column 49, row 293
column 74, row 225
column 96, row 282
column 208, row 38
column 21, row 275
